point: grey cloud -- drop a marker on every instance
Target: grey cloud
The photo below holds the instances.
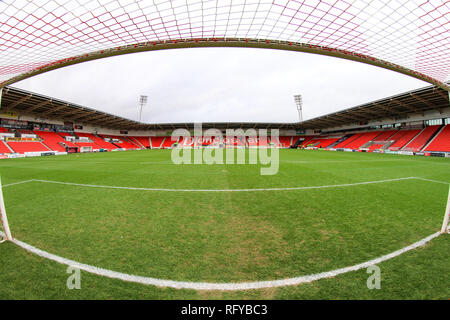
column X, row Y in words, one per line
column 213, row 84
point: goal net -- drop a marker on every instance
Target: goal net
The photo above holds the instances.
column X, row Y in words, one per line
column 408, row 36
column 5, row 233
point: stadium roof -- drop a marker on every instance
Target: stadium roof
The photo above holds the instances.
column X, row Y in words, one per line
column 43, row 107
column 416, row 101
column 410, row 37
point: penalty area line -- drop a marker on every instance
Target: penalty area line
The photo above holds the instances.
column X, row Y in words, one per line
column 16, row 183
column 224, row 190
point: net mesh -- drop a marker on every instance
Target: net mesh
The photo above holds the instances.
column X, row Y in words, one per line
column 413, row 34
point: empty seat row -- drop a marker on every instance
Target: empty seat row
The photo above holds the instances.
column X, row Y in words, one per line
column 441, row 142
column 22, row 146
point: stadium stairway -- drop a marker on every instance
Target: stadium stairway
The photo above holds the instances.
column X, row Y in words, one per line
column 375, row 146
column 91, row 137
column 98, row 142
column 156, row 142
column 403, row 137
column 286, row 142
column 136, row 142
column 385, row 135
column 304, row 142
column 167, row 142
column 298, row 143
column 341, row 140
column 52, row 140
column 123, row 144
column 426, row 135
column 322, row 142
column 282, row 141
column 143, row 141
column 347, row 141
column 362, row 140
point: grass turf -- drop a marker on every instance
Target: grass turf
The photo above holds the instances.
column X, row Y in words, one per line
column 225, row 237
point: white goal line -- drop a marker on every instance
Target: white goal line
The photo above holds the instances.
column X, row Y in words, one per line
column 230, row 286
column 226, row 190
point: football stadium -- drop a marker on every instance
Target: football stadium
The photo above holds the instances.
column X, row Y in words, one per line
column 352, row 204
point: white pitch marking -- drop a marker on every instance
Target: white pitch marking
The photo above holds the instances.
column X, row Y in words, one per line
column 436, row 181
column 220, row 286
column 225, row 286
column 15, row 183
column 340, row 161
column 224, row 190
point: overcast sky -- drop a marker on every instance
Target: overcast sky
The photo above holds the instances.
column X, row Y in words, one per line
column 220, row 84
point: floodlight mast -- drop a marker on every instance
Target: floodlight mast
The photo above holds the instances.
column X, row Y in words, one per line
column 142, row 102
column 299, row 103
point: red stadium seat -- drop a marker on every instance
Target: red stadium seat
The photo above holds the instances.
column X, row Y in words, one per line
column 421, row 140
column 441, row 142
column 22, row 146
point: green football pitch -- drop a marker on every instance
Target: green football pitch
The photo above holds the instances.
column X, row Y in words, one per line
column 139, row 214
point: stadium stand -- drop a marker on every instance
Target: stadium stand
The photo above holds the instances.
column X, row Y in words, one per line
column 402, row 137
column 156, row 141
column 422, row 139
column 65, row 134
column 375, row 146
column 4, row 148
column 68, row 143
column 385, row 135
column 234, row 141
column 124, row 143
column 52, row 140
column 25, row 131
column 347, row 141
column 99, row 142
column 27, row 146
column 257, row 141
column 304, row 143
column 285, row 142
column 362, row 139
column 320, row 142
column 441, row 142
column 143, row 143
column 325, row 143
column 252, row 141
column 281, row 142
column 167, row 143
column 88, row 144
column 406, row 139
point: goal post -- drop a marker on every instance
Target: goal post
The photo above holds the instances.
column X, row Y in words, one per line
column 445, row 225
column 5, row 225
